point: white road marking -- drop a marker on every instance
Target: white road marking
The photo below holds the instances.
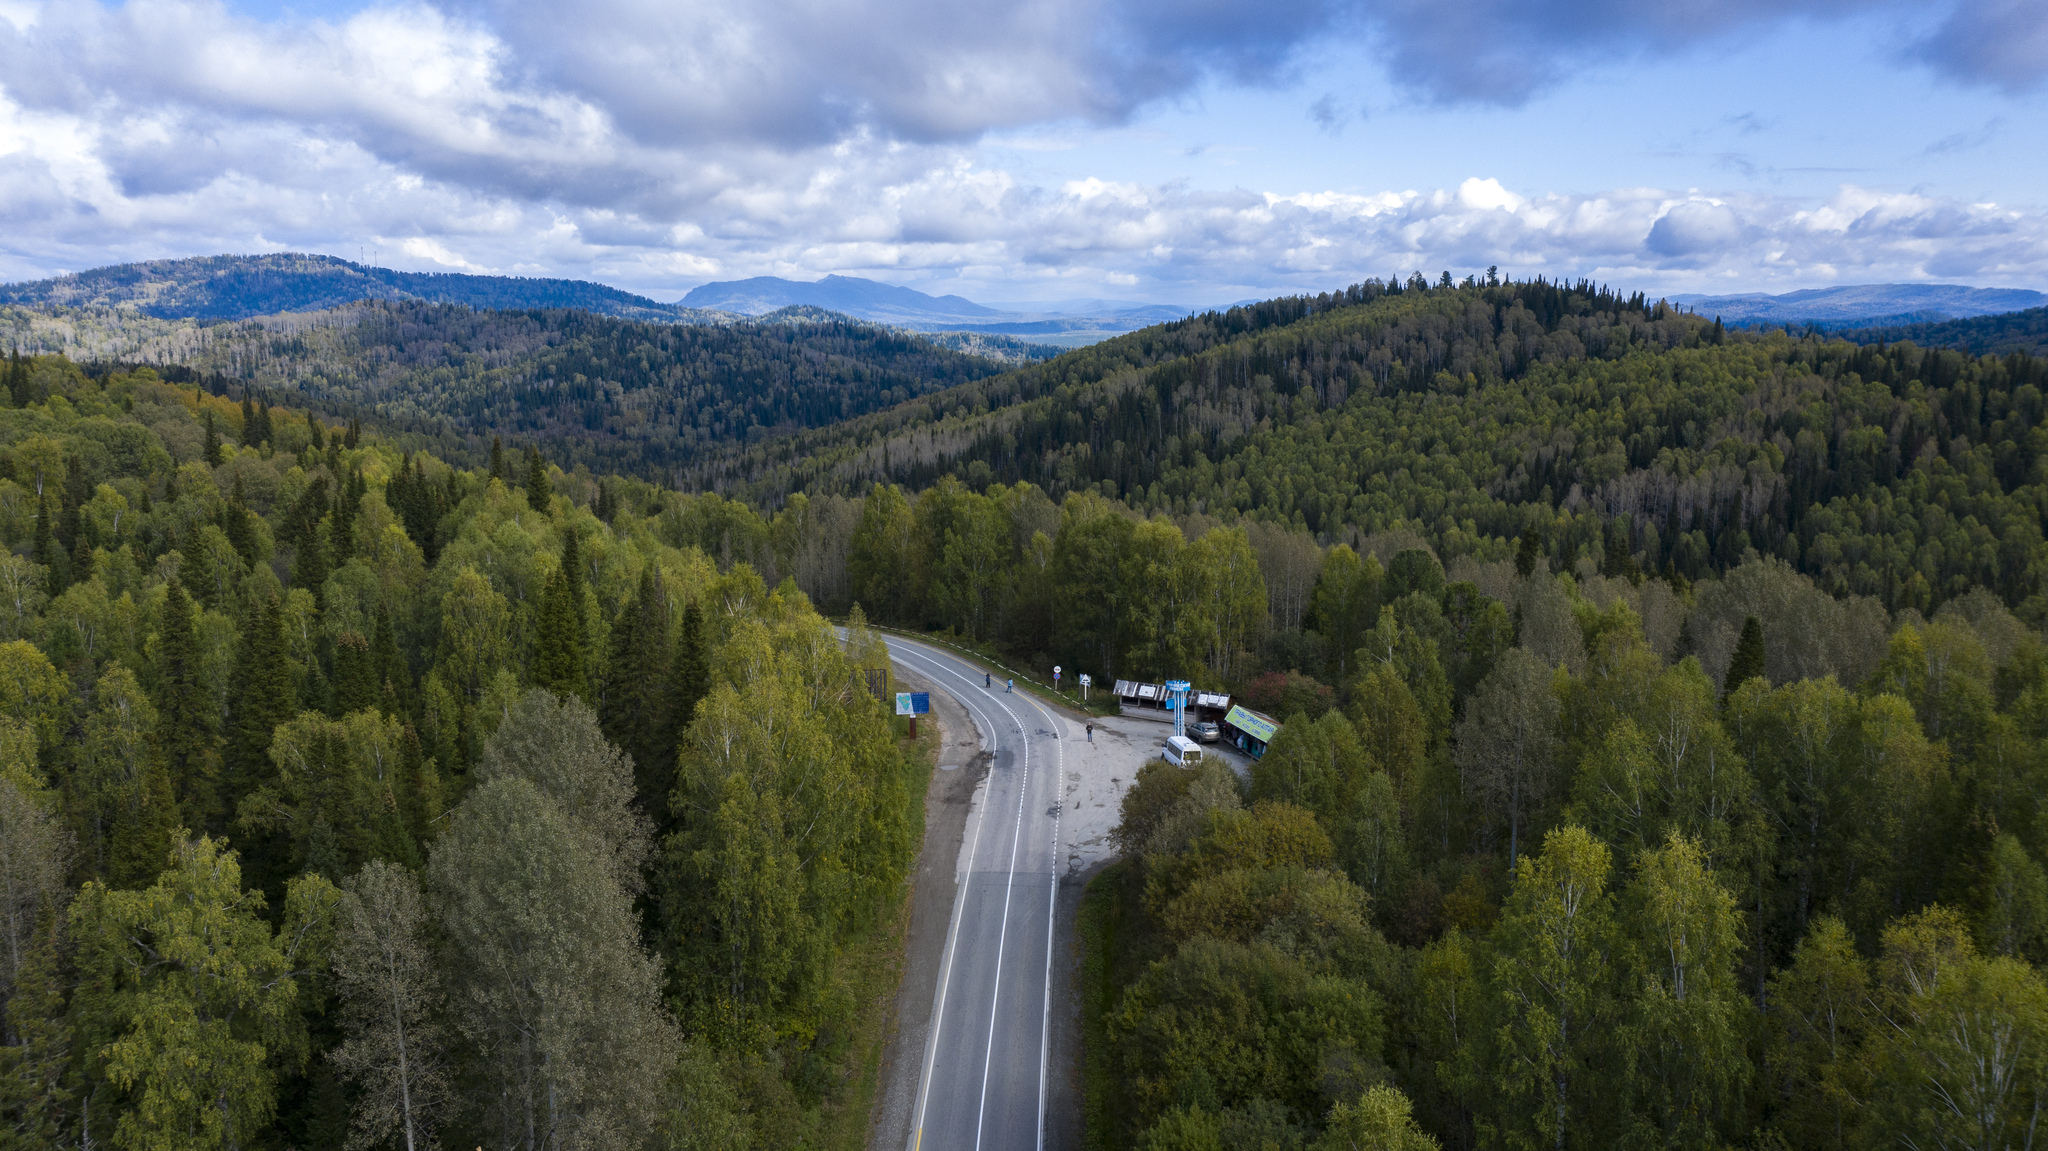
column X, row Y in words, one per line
column 952, row 943
column 934, row 661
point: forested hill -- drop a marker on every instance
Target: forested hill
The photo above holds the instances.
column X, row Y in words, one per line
column 238, row 287
column 1471, row 414
column 1981, row 335
column 618, row 395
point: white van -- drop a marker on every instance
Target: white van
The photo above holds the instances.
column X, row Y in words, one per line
column 1182, row 751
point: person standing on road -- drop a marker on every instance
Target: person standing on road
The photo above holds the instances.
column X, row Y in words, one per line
column 1009, row 686
column 986, row 681
column 1091, row 733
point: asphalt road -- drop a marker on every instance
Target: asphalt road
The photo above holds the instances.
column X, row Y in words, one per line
column 984, row 1079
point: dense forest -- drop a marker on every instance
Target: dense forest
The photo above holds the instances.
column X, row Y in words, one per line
column 346, row 798
column 1665, row 730
column 614, row 395
column 1473, row 414
column 2007, row 332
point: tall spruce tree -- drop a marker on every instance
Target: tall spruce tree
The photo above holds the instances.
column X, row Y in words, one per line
column 389, row 671
column 215, row 454
column 309, row 562
column 355, row 676
column 71, row 521
column 235, row 521
column 184, row 734
column 20, row 389
column 689, row 680
column 45, row 551
column 262, row 693
column 1748, row 661
column 1529, row 554
column 636, row 704
column 263, row 430
column 538, row 490
column 498, row 471
column 560, row 659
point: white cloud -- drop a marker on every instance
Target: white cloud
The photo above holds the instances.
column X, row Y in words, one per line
column 653, row 144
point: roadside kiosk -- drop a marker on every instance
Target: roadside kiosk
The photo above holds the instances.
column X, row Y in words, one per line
column 1249, row 731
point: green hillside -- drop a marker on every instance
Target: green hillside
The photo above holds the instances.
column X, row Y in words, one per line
column 2007, row 332
column 1470, row 415
column 238, row 287
column 616, row 395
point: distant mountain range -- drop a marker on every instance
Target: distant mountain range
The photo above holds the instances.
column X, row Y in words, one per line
column 1864, row 305
column 214, row 288
column 240, row 287
column 1072, row 320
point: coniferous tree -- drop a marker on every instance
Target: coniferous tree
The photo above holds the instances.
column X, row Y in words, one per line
column 560, row 660
column 1748, row 660
column 1530, row 553
column 46, row 552
column 263, row 431
column 38, row 1081
column 316, row 433
column 309, row 563
column 185, row 737
column 390, row 674
column 1619, row 562
column 236, row 521
column 538, row 490
column 355, row 679
column 81, row 561
column 214, row 453
column 248, row 422
column 689, row 680
column 498, row 462
column 419, row 786
column 261, row 694
column 346, row 509
column 636, row 702
column 70, row 523
column 20, row 388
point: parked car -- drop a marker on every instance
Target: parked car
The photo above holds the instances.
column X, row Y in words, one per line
column 1207, row 732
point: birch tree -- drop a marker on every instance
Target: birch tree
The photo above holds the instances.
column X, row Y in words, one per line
column 390, row 992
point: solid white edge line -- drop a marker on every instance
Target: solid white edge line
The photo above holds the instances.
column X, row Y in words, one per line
column 995, row 997
column 934, row 658
column 952, row 942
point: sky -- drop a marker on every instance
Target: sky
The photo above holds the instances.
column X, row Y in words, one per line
column 1193, row 152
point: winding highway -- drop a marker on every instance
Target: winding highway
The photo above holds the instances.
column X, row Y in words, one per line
column 983, row 1082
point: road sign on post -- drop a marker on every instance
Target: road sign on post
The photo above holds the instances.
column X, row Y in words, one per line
column 1055, row 677
column 1086, row 680
column 913, row 704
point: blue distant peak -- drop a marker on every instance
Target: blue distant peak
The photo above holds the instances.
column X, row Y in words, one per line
column 1864, row 303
